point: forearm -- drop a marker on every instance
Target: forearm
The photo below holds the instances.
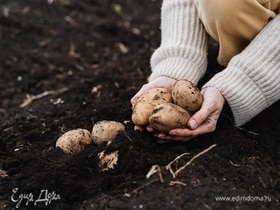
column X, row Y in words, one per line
column 183, row 50
column 251, row 82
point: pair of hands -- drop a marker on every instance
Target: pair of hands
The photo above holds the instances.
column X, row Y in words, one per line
column 201, row 122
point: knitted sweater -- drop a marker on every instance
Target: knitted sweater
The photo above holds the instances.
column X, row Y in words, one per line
column 251, row 81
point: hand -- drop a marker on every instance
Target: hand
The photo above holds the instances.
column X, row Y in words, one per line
column 203, row 121
column 162, row 81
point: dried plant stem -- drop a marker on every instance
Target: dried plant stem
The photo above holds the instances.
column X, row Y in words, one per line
column 30, row 98
column 169, row 166
column 195, row 157
column 155, row 169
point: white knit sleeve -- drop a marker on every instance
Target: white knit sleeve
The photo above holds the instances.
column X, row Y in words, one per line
column 183, row 50
column 251, row 82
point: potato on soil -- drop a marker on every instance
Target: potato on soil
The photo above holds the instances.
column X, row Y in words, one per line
column 146, row 103
column 105, row 130
column 74, row 141
column 168, row 116
column 187, row 95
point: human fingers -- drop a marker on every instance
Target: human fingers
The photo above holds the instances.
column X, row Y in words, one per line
column 149, row 128
column 211, row 107
column 168, row 137
column 138, row 128
column 208, row 126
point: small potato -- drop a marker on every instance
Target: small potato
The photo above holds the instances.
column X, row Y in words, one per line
column 146, row 103
column 187, row 95
column 168, row 116
column 104, row 131
column 74, row 141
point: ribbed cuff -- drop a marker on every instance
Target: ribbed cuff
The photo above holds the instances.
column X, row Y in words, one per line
column 242, row 94
column 178, row 68
column 183, row 50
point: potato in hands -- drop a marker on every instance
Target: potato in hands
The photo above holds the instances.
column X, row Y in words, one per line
column 167, row 109
column 168, row 116
column 187, row 95
column 145, row 104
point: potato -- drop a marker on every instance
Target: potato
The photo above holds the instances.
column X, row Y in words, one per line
column 104, row 131
column 74, row 141
column 187, row 95
column 146, row 103
column 168, row 116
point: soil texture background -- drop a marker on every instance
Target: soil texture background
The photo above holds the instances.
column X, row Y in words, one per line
column 66, row 64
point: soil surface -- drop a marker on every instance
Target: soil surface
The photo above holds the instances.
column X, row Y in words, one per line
column 66, row 64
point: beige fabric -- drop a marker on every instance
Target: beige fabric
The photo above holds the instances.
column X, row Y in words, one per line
column 183, row 50
column 251, row 81
column 234, row 23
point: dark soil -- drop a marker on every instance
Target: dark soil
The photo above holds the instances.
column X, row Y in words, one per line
column 89, row 58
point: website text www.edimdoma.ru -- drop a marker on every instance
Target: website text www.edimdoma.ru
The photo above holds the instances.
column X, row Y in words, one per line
column 248, row 198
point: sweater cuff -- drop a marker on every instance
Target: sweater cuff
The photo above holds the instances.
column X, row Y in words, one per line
column 242, row 94
column 183, row 50
column 178, row 68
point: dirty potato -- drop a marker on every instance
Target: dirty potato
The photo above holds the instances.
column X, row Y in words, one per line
column 146, row 103
column 105, row 130
column 74, row 141
column 187, row 95
column 168, row 116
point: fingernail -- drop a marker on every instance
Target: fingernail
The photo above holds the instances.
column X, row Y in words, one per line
column 192, row 124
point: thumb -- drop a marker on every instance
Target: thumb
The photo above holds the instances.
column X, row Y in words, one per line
column 198, row 118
